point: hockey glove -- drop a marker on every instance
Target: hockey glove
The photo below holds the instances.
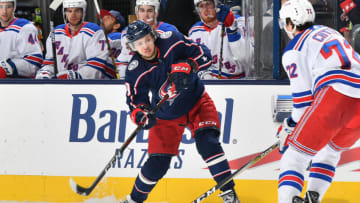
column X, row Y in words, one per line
column 143, row 118
column 180, row 74
column 284, row 131
column 44, row 74
column 8, row 67
column 224, row 15
column 69, row 75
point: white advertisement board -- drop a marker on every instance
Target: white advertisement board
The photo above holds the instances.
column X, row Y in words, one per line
column 74, row 130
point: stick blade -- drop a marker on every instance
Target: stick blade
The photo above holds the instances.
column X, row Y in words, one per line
column 55, row 4
column 78, row 189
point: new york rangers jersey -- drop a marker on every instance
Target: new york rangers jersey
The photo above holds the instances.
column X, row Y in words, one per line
column 85, row 52
column 126, row 53
column 19, row 43
column 115, row 43
column 144, row 77
column 318, row 57
column 237, row 52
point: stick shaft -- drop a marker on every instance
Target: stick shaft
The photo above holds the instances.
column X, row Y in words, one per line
column 237, row 172
column 86, row 191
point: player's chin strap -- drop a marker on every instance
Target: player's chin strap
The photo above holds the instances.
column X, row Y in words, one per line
column 86, row 191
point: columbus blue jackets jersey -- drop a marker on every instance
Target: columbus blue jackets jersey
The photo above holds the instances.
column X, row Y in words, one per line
column 144, row 77
column 19, row 43
column 318, row 57
column 126, row 54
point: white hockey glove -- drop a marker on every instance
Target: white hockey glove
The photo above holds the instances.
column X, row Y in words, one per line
column 283, row 133
column 44, row 74
column 9, row 69
column 208, row 74
column 69, row 75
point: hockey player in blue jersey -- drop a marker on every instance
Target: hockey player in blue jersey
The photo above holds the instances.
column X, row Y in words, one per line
column 168, row 64
column 147, row 11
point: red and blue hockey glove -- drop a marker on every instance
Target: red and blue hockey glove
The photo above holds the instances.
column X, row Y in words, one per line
column 180, row 74
column 284, row 132
column 143, row 118
column 224, row 15
column 44, row 74
column 69, row 75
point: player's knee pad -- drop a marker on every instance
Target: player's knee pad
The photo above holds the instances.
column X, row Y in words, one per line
column 156, row 166
column 294, row 160
column 207, row 143
column 327, row 155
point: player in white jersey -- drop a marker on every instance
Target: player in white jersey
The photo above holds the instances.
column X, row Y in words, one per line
column 147, row 11
column 208, row 31
column 20, row 53
column 81, row 49
column 114, row 22
column 324, row 73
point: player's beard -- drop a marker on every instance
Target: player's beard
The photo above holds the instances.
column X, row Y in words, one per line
column 208, row 17
column 75, row 23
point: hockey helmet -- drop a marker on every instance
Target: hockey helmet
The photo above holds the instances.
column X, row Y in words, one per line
column 14, row 1
column 154, row 3
column 196, row 3
column 74, row 4
column 298, row 11
column 138, row 30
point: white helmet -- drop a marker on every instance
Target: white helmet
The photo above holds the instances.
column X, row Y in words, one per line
column 74, row 4
column 299, row 12
column 154, row 3
column 196, row 3
column 14, row 1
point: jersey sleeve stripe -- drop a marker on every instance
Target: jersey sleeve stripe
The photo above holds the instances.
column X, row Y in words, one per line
column 337, row 76
column 141, row 76
column 36, row 59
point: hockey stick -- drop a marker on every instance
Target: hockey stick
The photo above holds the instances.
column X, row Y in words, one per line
column 237, row 172
column 221, row 46
column 54, row 6
column 86, row 191
column 106, row 37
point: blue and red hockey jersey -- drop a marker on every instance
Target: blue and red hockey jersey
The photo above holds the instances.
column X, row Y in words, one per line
column 145, row 79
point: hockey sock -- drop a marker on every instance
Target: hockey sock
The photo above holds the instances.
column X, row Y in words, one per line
column 208, row 146
column 323, row 170
column 153, row 170
column 293, row 165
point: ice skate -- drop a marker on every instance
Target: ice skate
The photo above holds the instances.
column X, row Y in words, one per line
column 129, row 200
column 310, row 197
column 229, row 196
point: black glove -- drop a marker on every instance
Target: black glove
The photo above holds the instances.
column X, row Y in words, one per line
column 180, row 74
column 143, row 118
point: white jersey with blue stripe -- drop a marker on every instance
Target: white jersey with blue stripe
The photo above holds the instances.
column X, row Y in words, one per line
column 318, row 57
column 19, row 43
column 115, row 43
column 85, row 52
column 126, row 54
column 236, row 52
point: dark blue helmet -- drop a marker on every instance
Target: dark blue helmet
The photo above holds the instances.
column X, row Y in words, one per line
column 138, row 30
